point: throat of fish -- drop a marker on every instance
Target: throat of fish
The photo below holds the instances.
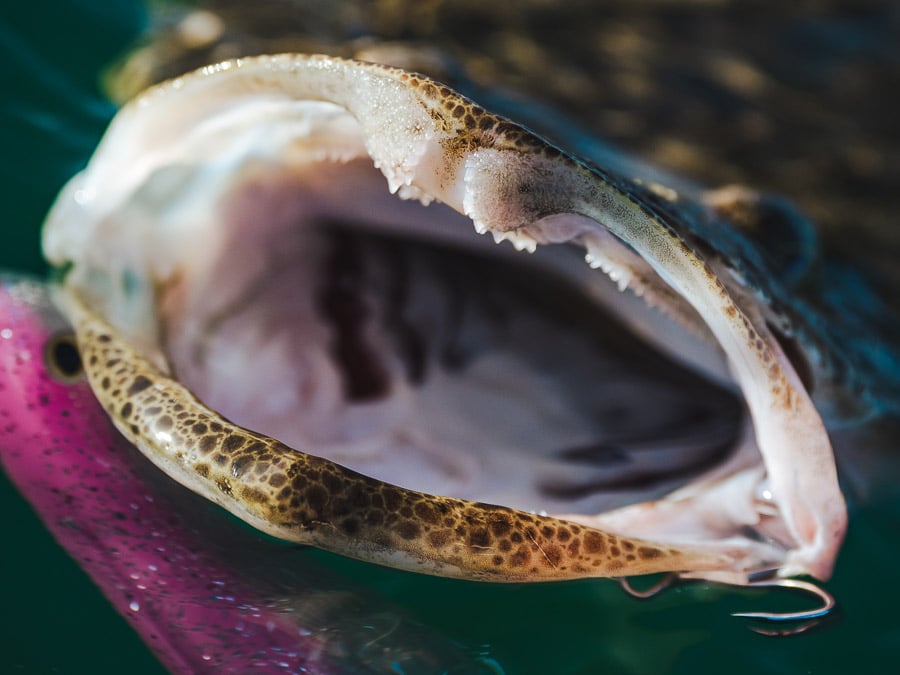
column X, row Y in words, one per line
column 232, row 253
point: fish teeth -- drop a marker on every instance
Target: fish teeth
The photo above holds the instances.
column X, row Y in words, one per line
column 621, row 274
column 521, row 242
column 412, row 192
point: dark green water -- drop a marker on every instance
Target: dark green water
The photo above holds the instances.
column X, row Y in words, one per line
column 53, row 620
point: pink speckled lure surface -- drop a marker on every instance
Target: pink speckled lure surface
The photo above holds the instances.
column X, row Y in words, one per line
column 198, row 609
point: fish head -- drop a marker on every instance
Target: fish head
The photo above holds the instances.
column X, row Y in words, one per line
column 299, row 242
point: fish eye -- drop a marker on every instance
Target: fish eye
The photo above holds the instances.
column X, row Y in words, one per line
column 62, row 357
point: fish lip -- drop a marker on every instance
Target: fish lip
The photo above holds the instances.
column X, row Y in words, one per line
column 590, row 197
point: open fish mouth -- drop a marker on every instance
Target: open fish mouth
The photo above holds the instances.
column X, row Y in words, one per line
column 243, row 282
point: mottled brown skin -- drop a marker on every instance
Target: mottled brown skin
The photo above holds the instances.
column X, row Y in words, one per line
column 303, row 498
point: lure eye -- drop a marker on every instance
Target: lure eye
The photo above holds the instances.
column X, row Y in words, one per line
column 62, row 358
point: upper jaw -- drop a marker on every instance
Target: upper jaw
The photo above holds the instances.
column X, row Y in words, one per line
column 137, row 219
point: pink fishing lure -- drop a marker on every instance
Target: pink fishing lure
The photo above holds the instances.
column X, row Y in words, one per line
column 193, row 602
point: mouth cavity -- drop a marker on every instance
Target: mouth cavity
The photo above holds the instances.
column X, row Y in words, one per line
column 252, row 256
column 436, row 367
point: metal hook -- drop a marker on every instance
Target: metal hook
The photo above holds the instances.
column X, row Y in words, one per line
column 805, row 619
column 809, row 617
column 655, row 589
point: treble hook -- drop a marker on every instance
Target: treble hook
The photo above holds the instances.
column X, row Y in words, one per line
column 809, row 617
